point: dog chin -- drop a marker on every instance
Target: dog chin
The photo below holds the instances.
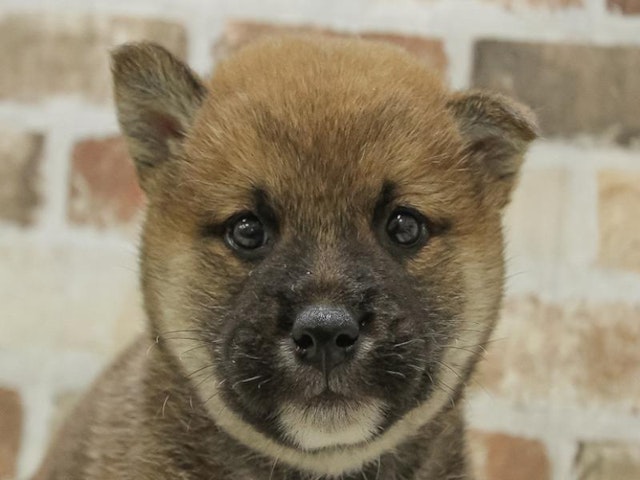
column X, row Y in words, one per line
column 322, row 423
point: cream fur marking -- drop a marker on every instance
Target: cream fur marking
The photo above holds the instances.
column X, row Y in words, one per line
column 314, row 428
column 320, row 139
column 346, row 458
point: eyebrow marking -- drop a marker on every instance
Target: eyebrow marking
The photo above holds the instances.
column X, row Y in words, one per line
column 257, row 203
column 385, row 198
column 264, row 208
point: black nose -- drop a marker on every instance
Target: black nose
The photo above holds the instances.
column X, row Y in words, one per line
column 325, row 335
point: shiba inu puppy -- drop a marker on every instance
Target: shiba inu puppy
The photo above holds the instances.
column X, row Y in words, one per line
column 321, row 263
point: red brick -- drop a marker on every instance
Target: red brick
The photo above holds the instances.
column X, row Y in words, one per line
column 608, row 461
column 103, row 188
column 572, row 352
column 20, row 158
column 619, row 229
column 63, row 54
column 497, row 456
column 238, row 34
column 10, row 431
column 574, row 89
column 628, row 7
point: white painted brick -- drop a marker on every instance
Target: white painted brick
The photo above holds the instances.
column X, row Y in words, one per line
column 64, row 297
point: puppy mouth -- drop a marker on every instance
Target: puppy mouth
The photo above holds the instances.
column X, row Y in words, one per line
column 330, row 420
column 329, row 399
column 330, row 412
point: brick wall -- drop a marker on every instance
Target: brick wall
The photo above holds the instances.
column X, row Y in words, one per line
column 558, row 397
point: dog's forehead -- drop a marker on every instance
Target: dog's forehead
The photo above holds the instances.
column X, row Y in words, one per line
column 323, row 131
column 341, row 160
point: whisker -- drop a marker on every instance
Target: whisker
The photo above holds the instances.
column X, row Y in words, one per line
column 408, row 342
column 273, row 468
column 397, row 374
column 198, row 370
column 164, row 405
column 247, row 380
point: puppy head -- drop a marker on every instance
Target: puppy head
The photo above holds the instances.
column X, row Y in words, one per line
column 323, row 252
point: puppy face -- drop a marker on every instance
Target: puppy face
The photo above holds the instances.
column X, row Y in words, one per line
column 323, row 254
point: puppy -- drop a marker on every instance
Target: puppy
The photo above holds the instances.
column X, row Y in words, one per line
column 322, row 263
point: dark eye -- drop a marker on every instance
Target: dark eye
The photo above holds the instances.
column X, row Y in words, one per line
column 407, row 228
column 246, row 233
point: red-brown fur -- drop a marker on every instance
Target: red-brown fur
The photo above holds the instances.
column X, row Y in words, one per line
column 320, row 126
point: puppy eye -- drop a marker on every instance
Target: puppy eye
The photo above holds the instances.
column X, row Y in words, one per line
column 246, row 233
column 407, row 228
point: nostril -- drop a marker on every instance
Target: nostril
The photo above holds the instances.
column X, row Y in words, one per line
column 345, row 341
column 305, row 341
column 324, row 336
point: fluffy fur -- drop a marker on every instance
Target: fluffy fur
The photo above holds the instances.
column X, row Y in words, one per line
column 322, row 140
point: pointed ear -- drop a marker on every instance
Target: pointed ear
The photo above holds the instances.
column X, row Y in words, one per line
column 156, row 98
column 497, row 132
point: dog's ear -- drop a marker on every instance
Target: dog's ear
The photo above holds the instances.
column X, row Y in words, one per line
column 497, row 132
column 156, row 98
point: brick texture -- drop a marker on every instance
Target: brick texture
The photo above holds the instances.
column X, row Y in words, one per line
column 534, row 219
column 45, row 55
column 608, row 461
column 20, row 158
column 582, row 353
column 103, row 188
column 550, row 4
column 618, row 207
column 131, row 319
column 69, row 290
column 496, row 456
column 65, row 297
column 10, row 432
column 238, row 34
column 629, row 7
column 574, row 89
